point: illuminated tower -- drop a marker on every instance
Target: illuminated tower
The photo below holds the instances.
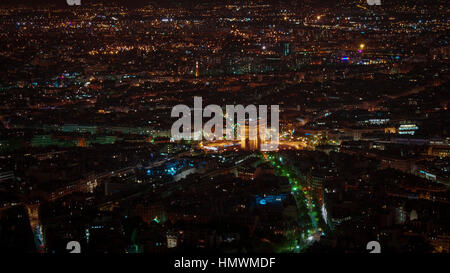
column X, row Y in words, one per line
column 33, row 215
column 196, row 69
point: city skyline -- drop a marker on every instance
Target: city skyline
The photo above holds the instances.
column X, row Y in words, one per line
column 119, row 127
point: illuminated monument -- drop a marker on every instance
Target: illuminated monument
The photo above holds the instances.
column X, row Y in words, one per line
column 246, row 142
column 261, row 134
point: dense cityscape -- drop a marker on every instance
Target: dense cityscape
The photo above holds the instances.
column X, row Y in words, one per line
column 87, row 154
